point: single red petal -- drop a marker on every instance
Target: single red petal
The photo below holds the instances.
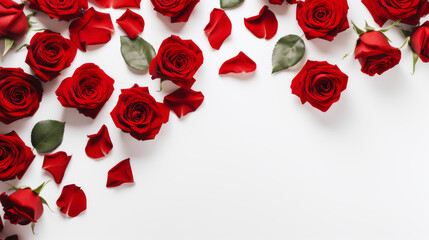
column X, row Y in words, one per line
column 119, row 174
column 56, row 164
column 238, row 64
column 219, row 28
column 72, row 200
column 184, row 101
column 263, row 25
column 99, row 144
column 93, row 28
column 132, row 23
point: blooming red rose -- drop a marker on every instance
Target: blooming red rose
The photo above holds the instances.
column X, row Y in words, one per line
column 279, row 2
column 20, row 94
column 322, row 18
column 375, row 54
column 420, row 41
column 15, row 156
column 139, row 114
column 22, row 207
column 178, row 10
column 87, row 90
column 132, row 23
column 320, row 84
column 63, row 10
column 13, row 22
column 408, row 11
column 49, row 53
column 177, row 60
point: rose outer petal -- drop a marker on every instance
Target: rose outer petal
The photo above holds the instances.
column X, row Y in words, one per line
column 263, row 25
column 218, row 29
column 56, row 164
column 132, row 23
column 72, row 200
column 238, row 64
column 119, row 174
column 118, row 3
column 99, row 144
column 184, row 101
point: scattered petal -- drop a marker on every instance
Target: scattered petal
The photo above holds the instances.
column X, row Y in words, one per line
column 56, row 164
column 184, row 101
column 99, row 144
column 263, row 25
column 219, row 28
column 238, row 64
column 132, row 23
column 119, row 174
column 72, row 200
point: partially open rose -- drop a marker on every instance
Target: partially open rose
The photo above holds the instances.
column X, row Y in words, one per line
column 13, row 23
column 420, row 41
column 22, row 207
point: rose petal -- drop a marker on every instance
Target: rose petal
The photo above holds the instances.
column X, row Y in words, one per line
column 99, row 144
column 72, row 200
column 184, row 101
column 219, row 28
column 56, row 164
column 132, row 23
column 118, row 3
column 119, row 174
column 238, row 64
column 263, row 25
column 93, row 28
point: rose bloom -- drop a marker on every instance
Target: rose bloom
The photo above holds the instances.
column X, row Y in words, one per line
column 15, row 157
column 322, row 18
column 178, row 10
column 408, row 11
column 139, row 114
column 320, row 84
column 13, row 22
column 22, row 207
column 20, row 94
column 177, row 60
column 375, row 54
column 87, row 90
column 420, row 41
column 61, row 9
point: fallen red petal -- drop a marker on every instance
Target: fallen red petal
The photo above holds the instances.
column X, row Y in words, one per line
column 118, row 3
column 99, row 144
column 238, row 64
column 56, row 164
column 184, row 101
column 72, row 200
column 263, row 25
column 93, row 28
column 119, row 174
column 218, row 29
column 132, row 23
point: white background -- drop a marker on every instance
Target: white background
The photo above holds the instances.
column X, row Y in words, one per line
column 251, row 162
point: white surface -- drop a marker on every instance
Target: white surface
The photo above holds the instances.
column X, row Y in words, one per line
column 252, row 162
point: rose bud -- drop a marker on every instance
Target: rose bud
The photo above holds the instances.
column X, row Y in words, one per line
column 22, row 207
column 13, row 22
column 375, row 54
column 420, row 41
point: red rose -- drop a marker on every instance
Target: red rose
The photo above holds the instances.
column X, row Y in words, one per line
column 49, row 53
column 22, row 207
column 139, row 114
column 320, row 84
column 177, row 60
column 408, row 11
column 63, row 10
column 322, row 18
column 13, row 22
column 420, row 41
column 178, row 10
column 87, row 90
column 20, row 94
column 375, row 54
column 15, row 156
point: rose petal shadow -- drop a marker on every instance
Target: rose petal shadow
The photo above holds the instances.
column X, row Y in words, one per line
column 173, row 27
column 94, row 47
column 46, row 22
column 72, row 117
column 122, row 186
column 137, row 71
column 278, row 9
column 241, row 76
column 341, row 41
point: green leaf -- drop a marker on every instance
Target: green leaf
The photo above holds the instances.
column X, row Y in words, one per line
column 45, row 202
column 8, row 44
column 415, row 59
column 289, row 50
column 357, row 30
column 230, row 3
column 47, row 135
column 368, row 28
column 22, row 46
column 137, row 53
column 40, row 188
